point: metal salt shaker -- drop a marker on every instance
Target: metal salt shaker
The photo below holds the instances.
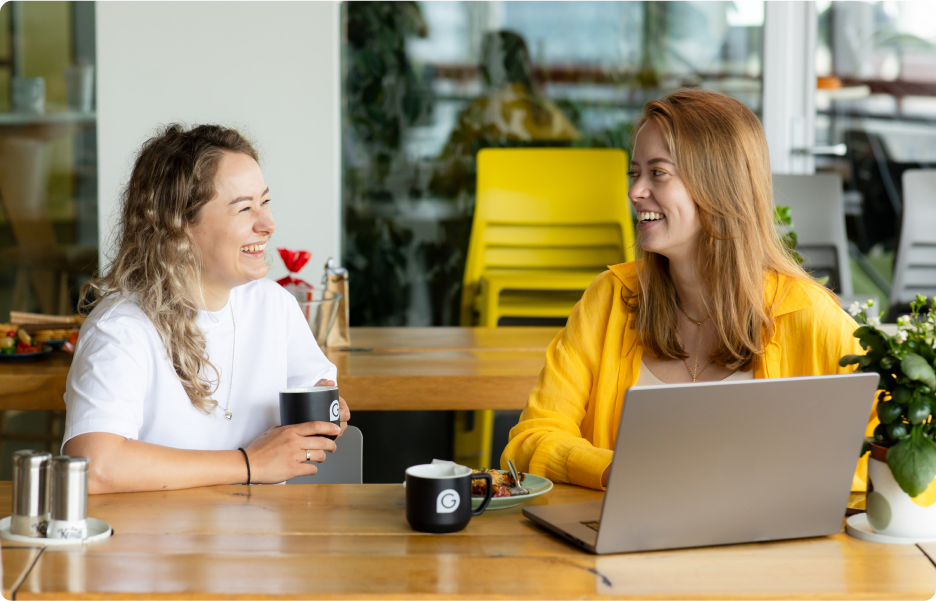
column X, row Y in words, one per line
column 69, row 498
column 30, row 493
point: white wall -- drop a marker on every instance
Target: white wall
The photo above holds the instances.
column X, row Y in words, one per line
column 270, row 69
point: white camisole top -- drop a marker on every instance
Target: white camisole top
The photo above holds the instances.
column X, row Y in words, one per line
column 646, row 378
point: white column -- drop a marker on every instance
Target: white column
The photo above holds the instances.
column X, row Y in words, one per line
column 789, row 115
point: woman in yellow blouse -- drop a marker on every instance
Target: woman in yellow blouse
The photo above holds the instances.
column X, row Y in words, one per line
column 712, row 296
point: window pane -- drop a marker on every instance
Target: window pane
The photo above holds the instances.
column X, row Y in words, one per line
column 428, row 84
column 876, row 63
column 48, row 165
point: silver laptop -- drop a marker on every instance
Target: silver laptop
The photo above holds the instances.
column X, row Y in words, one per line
column 717, row 463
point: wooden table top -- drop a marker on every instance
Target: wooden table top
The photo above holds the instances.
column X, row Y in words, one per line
column 352, row 541
column 385, row 369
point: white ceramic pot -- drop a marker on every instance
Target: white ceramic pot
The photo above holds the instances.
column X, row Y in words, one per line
column 891, row 511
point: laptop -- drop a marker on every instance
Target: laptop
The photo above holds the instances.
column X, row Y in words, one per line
column 718, row 463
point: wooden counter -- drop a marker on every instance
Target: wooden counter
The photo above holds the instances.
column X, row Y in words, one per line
column 352, row 541
column 386, row 369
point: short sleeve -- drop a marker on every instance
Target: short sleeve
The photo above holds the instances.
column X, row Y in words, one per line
column 306, row 364
column 103, row 392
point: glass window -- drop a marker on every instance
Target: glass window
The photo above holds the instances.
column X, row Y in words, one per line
column 48, row 170
column 428, row 84
column 876, row 64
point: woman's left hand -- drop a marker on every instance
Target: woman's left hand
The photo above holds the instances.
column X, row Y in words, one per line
column 344, row 414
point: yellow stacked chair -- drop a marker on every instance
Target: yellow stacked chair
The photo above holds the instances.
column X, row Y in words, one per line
column 547, row 221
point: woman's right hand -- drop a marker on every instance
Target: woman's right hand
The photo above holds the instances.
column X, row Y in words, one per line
column 279, row 454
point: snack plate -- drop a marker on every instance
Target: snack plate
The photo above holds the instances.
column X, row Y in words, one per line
column 25, row 356
column 537, row 485
column 97, row 530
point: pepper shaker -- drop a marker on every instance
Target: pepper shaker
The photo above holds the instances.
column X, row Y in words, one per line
column 30, row 493
column 69, row 516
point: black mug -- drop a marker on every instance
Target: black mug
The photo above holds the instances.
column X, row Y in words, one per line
column 312, row 404
column 438, row 497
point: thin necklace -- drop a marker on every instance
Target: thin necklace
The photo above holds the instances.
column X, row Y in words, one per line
column 227, row 414
column 694, row 374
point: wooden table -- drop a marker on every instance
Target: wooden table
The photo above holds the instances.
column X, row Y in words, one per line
column 386, row 369
column 352, row 541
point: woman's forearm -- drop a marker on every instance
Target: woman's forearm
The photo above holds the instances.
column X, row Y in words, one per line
column 121, row 465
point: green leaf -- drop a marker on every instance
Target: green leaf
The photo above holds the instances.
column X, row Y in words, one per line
column 898, row 431
column 866, row 446
column 874, row 340
column 916, row 368
column 888, row 412
column 880, row 432
column 912, row 461
column 902, row 395
column 918, row 412
column 849, row 360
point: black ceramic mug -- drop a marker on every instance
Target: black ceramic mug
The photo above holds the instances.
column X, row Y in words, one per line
column 438, row 497
column 312, row 404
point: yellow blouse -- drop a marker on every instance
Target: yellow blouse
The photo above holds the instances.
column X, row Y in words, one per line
column 568, row 430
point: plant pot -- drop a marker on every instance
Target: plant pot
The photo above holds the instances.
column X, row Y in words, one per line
column 893, row 512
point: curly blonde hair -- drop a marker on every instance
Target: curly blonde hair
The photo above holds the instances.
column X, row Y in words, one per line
column 157, row 262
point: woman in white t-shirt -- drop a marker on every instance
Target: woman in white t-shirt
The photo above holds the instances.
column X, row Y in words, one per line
column 178, row 368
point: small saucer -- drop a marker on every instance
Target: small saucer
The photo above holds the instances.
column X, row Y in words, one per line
column 97, row 530
column 858, row 526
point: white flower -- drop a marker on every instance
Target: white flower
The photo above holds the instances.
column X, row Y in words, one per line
column 903, row 322
column 868, row 304
column 901, row 336
column 875, row 321
column 854, row 309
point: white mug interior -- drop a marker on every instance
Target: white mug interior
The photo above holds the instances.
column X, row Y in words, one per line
column 438, row 471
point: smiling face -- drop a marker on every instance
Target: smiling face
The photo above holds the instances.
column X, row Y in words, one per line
column 668, row 218
column 233, row 228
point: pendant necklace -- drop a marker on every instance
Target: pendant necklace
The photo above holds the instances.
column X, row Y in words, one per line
column 694, row 374
column 227, row 414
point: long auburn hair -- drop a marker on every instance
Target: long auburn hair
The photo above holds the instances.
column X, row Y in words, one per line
column 156, row 261
column 720, row 149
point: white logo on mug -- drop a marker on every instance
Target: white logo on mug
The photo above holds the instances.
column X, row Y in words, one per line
column 334, row 410
column 448, row 501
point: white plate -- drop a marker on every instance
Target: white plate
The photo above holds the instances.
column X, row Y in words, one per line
column 537, row 485
column 858, row 526
column 97, row 530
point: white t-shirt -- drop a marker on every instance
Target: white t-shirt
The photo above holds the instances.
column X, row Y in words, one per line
column 122, row 382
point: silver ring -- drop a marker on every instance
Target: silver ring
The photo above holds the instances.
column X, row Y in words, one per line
column 308, row 454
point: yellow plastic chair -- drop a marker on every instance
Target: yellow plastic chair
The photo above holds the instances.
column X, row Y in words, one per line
column 547, row 221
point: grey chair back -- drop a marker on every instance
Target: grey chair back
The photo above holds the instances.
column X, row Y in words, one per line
column 344, row 466
column 915, row 269
column 818, row 213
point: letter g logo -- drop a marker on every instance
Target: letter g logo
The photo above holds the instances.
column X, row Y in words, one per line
column 447, row 501
column 333, row 410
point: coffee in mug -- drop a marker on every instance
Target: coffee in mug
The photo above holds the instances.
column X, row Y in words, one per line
column 311, row 404
column 438, row 497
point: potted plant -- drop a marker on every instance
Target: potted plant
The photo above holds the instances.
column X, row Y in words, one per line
column 901, row 497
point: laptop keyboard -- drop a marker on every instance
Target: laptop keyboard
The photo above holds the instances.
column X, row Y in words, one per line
column 593, row 524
